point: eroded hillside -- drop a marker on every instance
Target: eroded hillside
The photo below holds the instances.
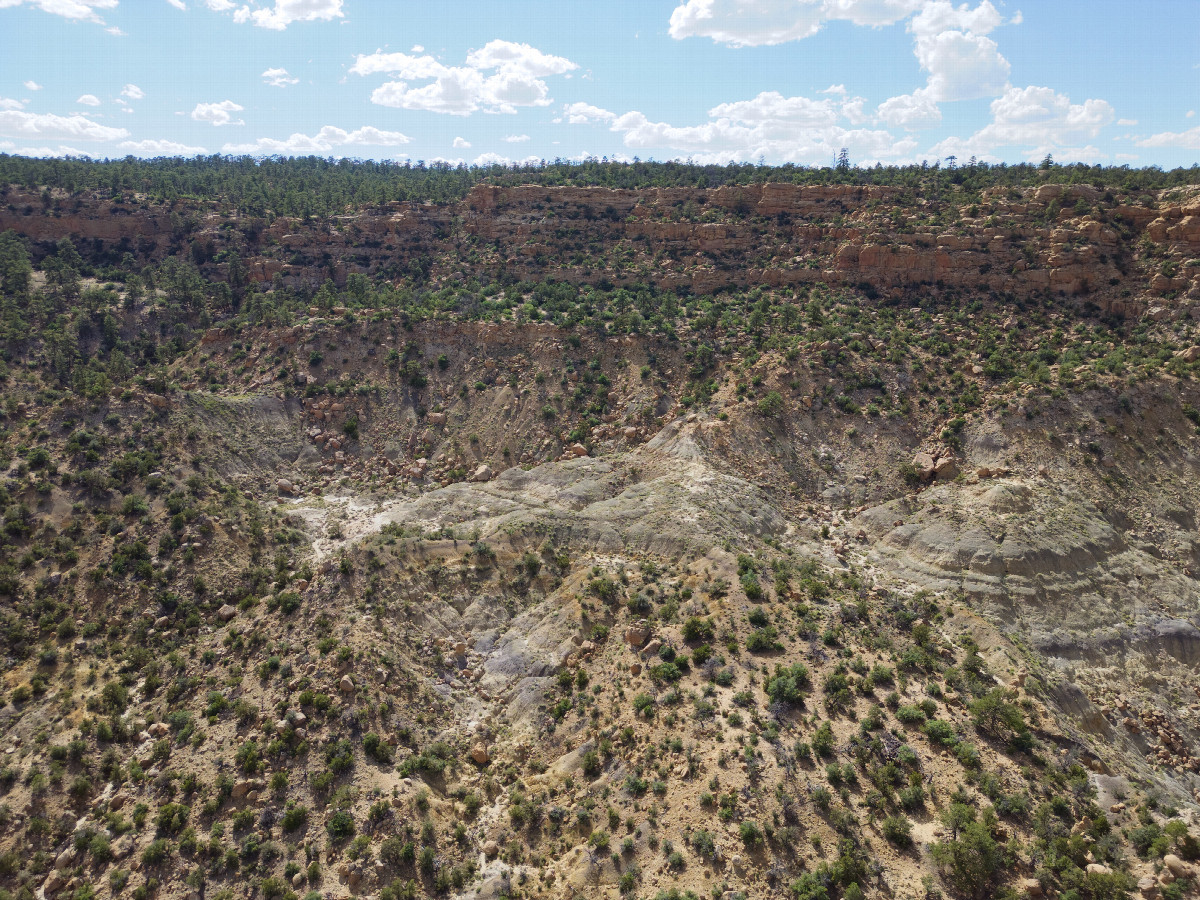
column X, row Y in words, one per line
column 868, row 576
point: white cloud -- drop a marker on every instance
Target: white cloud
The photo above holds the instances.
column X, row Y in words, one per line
column 497, row 78
column 495, row 159
column 79, row 10
column 461, row 143
column 773, row 107
column 586, row 114
column 133, row 92
column 938, row 16
column 88, row 100
column 6, row 103
column 284, row 12
column 47, row 126
column 323, row 141
column 217, row 113
column 1186, row 140
column 178, row 4
column 30, row 85
column 278, row 78
column 770, row 125
column 1041, row 121
column 516, row 138
column 220, row 5
column 961, row 66
column 159, row 148
column 1190, row 114
column 417, row 48
column 749, row 23
column 59, row 151
column 1127, row 122
column 910, row 111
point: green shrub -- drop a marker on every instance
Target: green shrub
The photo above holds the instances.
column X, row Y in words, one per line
column 340, row 825
column 898, row 830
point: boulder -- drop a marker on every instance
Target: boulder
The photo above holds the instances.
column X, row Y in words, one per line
column 1177, row 866
column 579, row 450
column 54, row 881
column 924, row 463
column 490, row 849
column 480, row 755
column 946, row 469
column 637, row 635
column 226, row 612
column 483, row 473
column 346, row 685
column 284, row 486
column 1031, row 887
column 1098, row 869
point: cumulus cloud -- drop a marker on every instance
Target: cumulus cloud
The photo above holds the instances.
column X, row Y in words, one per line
column 59, row 151
column 910, row 111
column 30, row 85
column 749, row 23
column 88, row 100
column 586, row 114
column 495, row 159
column 7, row 103
column 325, row 140
column 283, row 13
column 497, row 78
column 961, row 66
column 278, row 78
column 950, row 43
column 461, row 143
column 154, row 147
column 770, row 125
column 1041, row 121
column 78, row 10
column 47, row 126
column 217, row 113
column 1185, row 140
column 133, row 92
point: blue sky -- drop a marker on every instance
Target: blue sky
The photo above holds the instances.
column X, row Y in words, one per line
column 894, row 81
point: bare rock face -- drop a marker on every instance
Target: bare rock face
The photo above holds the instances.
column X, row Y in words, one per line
column 637, row 635
column 946, row 469
column 925, row 465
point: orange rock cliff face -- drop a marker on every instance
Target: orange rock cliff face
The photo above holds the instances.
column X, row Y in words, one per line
column 1067, row 240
